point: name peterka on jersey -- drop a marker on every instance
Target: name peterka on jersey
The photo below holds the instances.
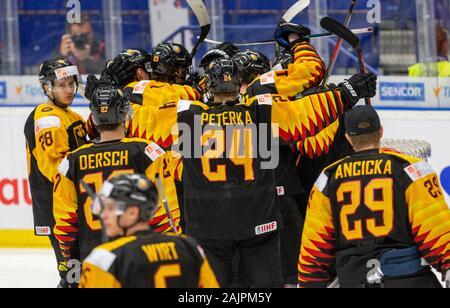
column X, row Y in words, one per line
column 227, row 118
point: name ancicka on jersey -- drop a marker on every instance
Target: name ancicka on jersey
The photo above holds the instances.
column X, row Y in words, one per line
column 361, row 168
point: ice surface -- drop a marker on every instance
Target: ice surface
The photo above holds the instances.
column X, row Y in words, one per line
column 28, row 268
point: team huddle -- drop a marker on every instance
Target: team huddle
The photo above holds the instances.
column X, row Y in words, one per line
column 246, row 173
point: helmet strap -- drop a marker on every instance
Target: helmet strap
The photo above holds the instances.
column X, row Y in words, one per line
column 125, row 229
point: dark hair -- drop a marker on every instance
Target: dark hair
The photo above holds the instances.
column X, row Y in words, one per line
column 360, row 141
column 107, row 127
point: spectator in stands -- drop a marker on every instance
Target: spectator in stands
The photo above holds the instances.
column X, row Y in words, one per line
column 81, row 48
column 439, row 68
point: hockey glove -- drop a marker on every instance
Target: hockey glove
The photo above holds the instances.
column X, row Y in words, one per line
column 288, row 35
column 121, row 72
column 359, row 86
column 92, row 84
column 93, row 132
column 194, row 80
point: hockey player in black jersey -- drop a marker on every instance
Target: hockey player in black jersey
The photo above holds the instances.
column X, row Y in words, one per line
column 376, row 218
column 77, row 228
column 140, row 258
column 296, row 71
column 230, row 197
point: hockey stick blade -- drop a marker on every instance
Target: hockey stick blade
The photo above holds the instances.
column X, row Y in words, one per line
column 340, row 30
column 94, row 196
column 296, row 9
column 201, row 12
column 313, row 36
column 162, row 192
column 347, row 35
column 337, row 48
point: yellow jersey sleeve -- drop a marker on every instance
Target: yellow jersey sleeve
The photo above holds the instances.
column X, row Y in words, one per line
column 94, row 277
column 429, row 215
column 146, row 124
column 306, row 72
column 318, row 246
column 51, row 143
column 207, row 278
column 320, row 144
column 65, row 207
column 166, row 167
column 307, row 117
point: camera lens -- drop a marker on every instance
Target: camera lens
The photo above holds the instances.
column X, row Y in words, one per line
column 80, row 40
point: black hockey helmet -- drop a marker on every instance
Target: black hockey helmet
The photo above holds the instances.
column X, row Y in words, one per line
column 212, row 55
column 122, row 70
column 224, row 50
column 132, row 190
column 222, row 76
column 169, row 61
column 59, row 68
column 109, row 106
column 283, row 60
column 251, row 64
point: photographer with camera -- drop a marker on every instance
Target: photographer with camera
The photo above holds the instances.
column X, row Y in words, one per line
column 80, row 47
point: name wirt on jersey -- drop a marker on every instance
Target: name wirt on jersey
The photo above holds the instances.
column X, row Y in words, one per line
column 160, row 252
column 227, row 118
column 367, row 167
column 105, row 159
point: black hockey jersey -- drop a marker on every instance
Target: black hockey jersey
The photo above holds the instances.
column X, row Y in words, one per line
column 233, row 196
column 77, row 229
column 148, row 260
column 368, row 203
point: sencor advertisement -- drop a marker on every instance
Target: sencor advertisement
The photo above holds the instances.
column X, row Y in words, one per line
column 392, row 91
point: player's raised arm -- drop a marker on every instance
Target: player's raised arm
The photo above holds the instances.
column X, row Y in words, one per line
column 296, row 70
column 308, row 116
column 307, row 69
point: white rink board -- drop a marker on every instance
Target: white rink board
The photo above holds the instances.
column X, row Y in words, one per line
column 13, row 170
column 432, row 126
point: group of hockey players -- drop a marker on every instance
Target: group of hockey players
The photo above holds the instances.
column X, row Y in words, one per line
column 221, row 216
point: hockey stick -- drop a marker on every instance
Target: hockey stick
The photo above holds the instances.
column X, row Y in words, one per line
column 165, row 202
column 201, row 12
column 343, row 32
column 313, row 36
column 290, row 14
column 294, row 10
column 94, row 196
column 337, row 49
